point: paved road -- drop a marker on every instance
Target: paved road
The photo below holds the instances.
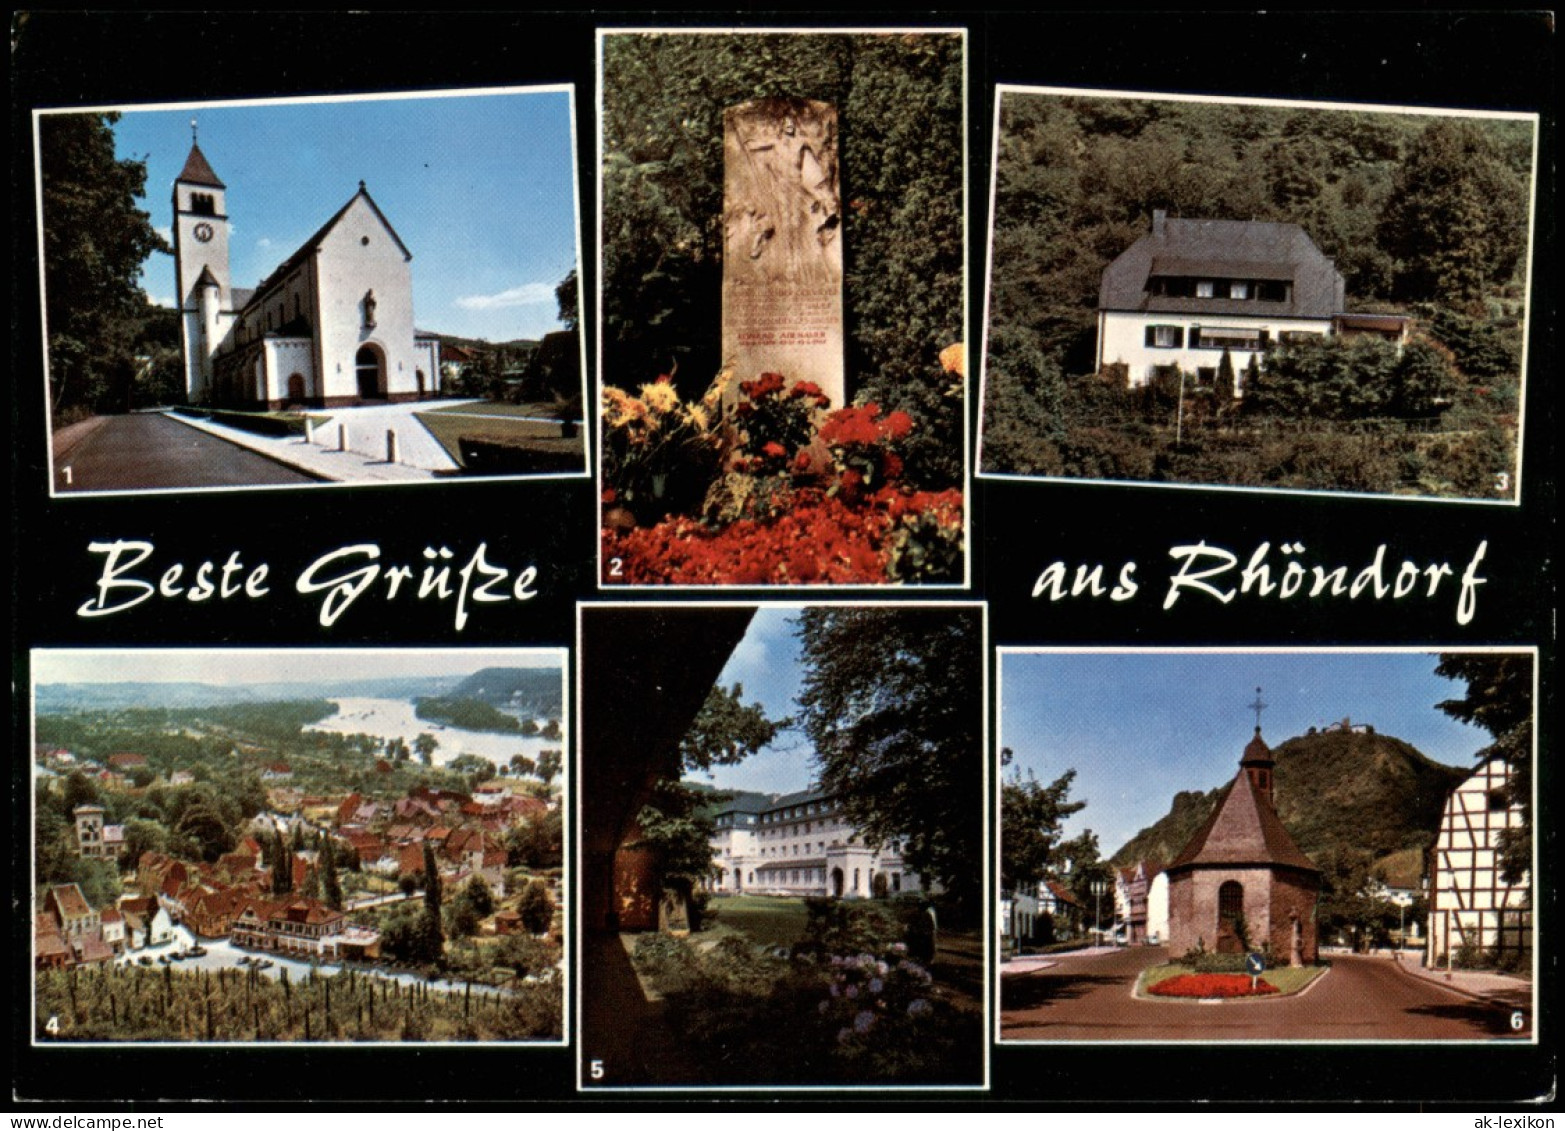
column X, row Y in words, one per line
column 1358, row 999
column 145, row 450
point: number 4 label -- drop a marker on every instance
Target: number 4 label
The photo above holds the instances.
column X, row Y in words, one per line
column 52, row 1026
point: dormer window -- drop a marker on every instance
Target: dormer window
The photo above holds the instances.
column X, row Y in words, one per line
column 1238, row 290
column 1205, row 288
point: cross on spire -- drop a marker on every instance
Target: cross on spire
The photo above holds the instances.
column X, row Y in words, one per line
column 1258, row 707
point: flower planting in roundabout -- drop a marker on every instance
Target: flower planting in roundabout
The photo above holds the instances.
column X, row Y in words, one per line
column 1212, row 986
column 762, row 483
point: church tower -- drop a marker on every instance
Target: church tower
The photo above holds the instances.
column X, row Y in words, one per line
column 201, row 267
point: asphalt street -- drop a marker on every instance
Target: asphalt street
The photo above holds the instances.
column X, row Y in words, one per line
column 1088, row 998
column 148, row 450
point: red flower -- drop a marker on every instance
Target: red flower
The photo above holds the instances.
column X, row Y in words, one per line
column 774, row 449
column 609, row 495
column 1211, row 985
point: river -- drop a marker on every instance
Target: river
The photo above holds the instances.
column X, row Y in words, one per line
column 395, row 718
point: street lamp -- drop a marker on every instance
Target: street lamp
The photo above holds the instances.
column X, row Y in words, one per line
column 1099, row 887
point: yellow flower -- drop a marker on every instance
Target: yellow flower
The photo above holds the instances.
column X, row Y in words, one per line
column 699, row 417
column 953, row 359
column 620, row 408
column 661, row 397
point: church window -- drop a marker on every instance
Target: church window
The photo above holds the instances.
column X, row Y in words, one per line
column 203, row 204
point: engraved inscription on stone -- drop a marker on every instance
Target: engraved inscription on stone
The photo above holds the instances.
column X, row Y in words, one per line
column 782, row 243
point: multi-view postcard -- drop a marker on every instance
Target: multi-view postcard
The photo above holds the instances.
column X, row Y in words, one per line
column 261, row 847
column 360, row 290
column 783, row 879
column 1265, row 295
column 1220, row 846
column 781, row 308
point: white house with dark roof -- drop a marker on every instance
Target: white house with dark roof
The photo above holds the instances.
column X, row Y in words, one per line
column 1191, row 289
column 331, row 326
column 800, row 844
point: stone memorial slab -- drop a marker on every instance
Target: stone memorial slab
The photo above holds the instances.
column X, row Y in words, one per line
column 782, row 243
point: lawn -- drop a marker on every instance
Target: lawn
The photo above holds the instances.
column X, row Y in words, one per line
column 766, row 920
column 503, row 438
column 1287, row 979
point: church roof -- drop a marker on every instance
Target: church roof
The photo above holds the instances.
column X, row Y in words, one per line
column 310, row 245
column 1243, row 829
column 197, row 171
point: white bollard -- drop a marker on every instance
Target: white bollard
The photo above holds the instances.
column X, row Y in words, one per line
column 391, row 445
column 342, row 437
column 309, row 430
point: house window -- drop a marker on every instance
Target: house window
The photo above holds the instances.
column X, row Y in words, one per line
column 1205, row 288
column 1238, row 290
column 1272, row 291
column 1165, row 337
column 1225, row 338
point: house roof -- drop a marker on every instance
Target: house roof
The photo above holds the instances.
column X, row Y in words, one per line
column 70, row 901
column 198, row 171
column 1244, row 829
column 1224, row 249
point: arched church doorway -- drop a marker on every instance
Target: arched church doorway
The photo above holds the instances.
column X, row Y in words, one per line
column 836, row 882
column 1230, row 910
column 371, row 370
column 878, row 885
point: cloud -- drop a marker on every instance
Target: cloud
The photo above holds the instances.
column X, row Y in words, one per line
column 159, row 300
column 264, row 243
column 166, row 232
column 528, row 294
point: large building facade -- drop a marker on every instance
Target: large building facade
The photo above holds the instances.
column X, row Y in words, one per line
column 1241, row 879
column 1471, row 906
column 800, row 844
column 331, row 326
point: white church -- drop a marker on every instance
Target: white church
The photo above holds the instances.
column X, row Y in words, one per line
column 331, row 326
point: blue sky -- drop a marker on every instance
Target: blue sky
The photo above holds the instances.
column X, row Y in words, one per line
column 767, row 664
column 480, row 187
column 1138, row 728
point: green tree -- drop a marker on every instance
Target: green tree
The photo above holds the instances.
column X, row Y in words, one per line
column 326, row 865
column 280, row 861
column 537, row 844
column 1499, row 699
column 472, row 904
column 425, row 744
column 1030, row 817
column 727, row 730
column 548, row 765
column 536, row 907
column 565, row 296
column 1456, row 219
column 892, row 700
column 95, row 240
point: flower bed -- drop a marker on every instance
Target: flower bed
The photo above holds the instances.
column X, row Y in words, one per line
column 781, row 491
column 1211, row 985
